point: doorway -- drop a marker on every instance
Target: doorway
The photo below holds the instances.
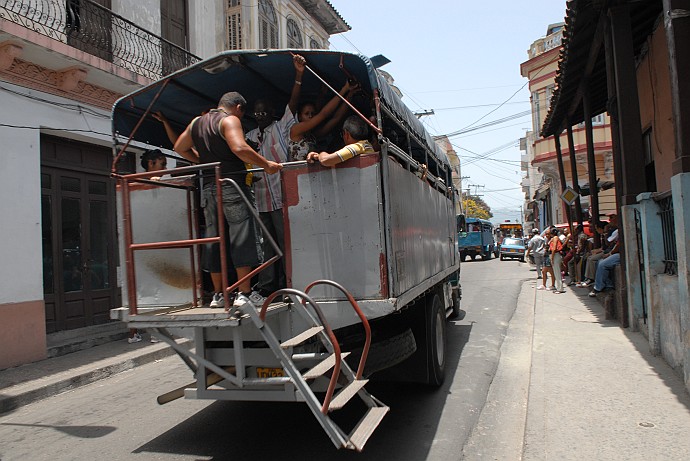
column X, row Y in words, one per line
column 78, row 235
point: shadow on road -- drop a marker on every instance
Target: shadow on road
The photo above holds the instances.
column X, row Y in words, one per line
column 288, row 431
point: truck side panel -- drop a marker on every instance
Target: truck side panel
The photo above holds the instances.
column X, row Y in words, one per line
column 334, row 227
column 423, row 236
column 158, row 214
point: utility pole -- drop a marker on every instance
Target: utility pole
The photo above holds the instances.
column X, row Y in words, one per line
column 476, row 186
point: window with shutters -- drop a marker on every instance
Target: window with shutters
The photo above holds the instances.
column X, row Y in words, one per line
column 314, row 44
column 268, row 23
column 294, row 34
column 234, row 25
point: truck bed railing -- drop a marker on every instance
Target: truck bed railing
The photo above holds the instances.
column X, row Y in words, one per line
column 194, row 240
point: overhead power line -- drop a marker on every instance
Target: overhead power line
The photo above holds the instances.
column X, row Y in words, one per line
column 495, row 122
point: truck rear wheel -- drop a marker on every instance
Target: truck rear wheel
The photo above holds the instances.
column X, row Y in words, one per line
column 435, row 323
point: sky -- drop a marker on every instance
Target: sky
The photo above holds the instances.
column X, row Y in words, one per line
column 460, row 59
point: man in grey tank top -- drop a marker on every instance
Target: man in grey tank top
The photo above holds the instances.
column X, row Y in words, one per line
column 218, row 137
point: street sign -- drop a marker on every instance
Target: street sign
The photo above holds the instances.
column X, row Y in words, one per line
column 569, row 195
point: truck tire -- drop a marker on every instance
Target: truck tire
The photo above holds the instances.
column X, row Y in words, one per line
column 386, row 353
column 435, row 324
column 455, row 314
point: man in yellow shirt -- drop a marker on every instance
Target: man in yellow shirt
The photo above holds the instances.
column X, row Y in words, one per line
column 355, row 134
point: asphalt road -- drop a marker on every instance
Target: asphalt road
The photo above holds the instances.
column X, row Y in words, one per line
column 118, row 418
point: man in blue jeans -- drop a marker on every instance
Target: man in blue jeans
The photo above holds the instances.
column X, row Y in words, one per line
column 602, row 279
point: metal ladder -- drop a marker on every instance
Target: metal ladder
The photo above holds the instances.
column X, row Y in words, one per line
column 351, row 381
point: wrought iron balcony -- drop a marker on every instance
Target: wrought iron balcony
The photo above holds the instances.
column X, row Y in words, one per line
column 96, row 30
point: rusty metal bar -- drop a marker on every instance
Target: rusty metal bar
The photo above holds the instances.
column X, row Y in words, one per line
column 190, row 226
column 360, row 314
column 129, row 251
column 113, row 168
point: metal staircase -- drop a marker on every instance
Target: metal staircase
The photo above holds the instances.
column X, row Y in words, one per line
column 352, row 383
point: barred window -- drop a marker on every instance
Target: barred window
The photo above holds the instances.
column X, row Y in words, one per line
column 314, row 44
column 234, row 25
column 294, row 34
column 268, row 20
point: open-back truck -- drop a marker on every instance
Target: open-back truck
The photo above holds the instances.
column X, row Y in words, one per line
column 370, row 248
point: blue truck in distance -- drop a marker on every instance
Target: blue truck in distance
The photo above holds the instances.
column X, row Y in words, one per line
column 476, row 239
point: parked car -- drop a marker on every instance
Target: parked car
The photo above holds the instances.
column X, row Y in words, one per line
column 513, row 248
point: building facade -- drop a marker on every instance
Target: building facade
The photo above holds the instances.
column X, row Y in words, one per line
column 644, row 86
column 63, row 63
column 542, row 182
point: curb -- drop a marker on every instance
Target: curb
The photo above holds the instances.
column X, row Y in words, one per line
column 14, row 397
column 500, row 430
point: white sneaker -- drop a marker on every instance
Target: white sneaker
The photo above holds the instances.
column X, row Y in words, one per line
column 218, row 300
column 541, row 287
column 254, row 298
column 134, row 339
column 154, row 339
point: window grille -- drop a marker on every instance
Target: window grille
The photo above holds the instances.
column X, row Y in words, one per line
column 294, row 34
column 269, row 24
column 314, row 44
column 234, row 25
column 668, row 234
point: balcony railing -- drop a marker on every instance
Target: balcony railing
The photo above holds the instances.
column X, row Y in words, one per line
column 96, row 30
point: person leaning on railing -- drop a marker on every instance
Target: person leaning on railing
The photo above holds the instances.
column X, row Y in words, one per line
column 355, row 134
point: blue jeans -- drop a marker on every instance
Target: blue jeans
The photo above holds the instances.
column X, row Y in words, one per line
column 602, row 280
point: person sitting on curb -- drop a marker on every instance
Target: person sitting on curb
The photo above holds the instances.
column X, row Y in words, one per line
column 355, row 134
column 602, row 280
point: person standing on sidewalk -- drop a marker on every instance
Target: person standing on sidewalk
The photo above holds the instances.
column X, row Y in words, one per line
column 556, row 255
column 537, row 247
column 547, row 269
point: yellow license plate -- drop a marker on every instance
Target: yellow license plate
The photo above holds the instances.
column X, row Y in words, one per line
column 262, row 372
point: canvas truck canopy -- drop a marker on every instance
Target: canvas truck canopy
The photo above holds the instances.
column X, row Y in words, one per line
column 260, row 74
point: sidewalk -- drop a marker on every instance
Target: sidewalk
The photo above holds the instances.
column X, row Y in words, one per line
column 35, row 381
column 572, row 385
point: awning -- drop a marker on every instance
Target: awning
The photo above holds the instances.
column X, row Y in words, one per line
column 542, row 192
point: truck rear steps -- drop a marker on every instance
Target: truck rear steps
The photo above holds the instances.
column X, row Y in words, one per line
column 323, row 367
column 300, row 338
column 353, row 384
column 346, row 394
column 361, row 433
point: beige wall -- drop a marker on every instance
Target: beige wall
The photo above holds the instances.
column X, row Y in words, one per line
column 654, row 88
column 23, row 338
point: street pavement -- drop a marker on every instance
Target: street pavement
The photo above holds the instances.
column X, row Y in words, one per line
column 572, row 385
column 569, row 385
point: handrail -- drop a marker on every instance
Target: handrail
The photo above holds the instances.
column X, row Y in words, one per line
column 331, row 336
column 95, row 29
column 358, row 311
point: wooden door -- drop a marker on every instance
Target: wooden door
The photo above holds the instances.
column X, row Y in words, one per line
column 79, row 244
column 174, row 30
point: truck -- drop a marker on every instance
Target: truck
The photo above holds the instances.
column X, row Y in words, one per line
column 370, row 251
column 509, row 229
column 476, row 240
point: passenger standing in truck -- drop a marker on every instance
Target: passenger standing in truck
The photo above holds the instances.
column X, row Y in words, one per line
column 218, row 137
column 271, row 138
column 304, row 135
